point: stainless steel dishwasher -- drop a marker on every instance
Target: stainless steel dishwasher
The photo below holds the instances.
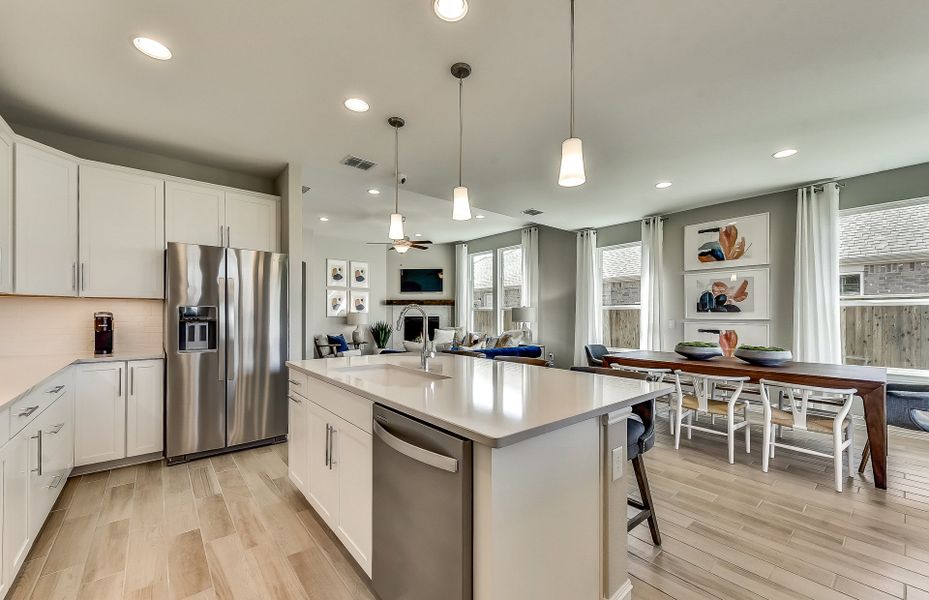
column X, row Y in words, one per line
column 422, row 510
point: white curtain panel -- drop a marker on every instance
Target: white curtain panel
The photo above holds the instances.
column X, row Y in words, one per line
column 530, row 287
column 652, row 283
column 462, row 286
column 588, row 322
column 817, row 336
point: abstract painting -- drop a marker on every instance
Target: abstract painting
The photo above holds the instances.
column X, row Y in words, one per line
column 359, row 302
column 728, row 335
column 336, row 272
column 336, row 303
column 741, row 294
column 359, row 274
column 735, row 242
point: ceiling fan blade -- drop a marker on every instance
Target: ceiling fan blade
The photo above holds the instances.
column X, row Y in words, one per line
column 391, row 249
column 418, row 247
column 424, row 242
column 379, row 243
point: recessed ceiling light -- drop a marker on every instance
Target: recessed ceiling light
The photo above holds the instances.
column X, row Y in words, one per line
column 150, row 47
column 356, row 105
column 374, row 192
column 785, row 153
column 324, row 219
column 450, row 10
column 418, row 234
column 479, row 217
column 663, row 185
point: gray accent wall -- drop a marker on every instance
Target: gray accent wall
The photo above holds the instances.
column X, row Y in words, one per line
column 557, row 293
column 439, row 256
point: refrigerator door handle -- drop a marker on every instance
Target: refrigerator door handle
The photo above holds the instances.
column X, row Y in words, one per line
column 221, row 334
column 231, row 320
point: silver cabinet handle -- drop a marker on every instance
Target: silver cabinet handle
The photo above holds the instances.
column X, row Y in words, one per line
column 295, row 399
column 38, row 438
column 228, row 237
column 56, row 482
column 328, row 437
column 293, row 382
column 222, row 242
column 55, row 389
column 427, row 457
column 332, row 433
column 74, row 276
column 57, row 429
column 120, row 391
column 28, row 411
column 132, row 381
column 83, row 278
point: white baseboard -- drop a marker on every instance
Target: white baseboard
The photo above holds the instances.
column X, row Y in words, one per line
column 623, row 593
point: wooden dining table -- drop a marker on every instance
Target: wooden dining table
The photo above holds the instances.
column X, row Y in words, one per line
column 871, row 383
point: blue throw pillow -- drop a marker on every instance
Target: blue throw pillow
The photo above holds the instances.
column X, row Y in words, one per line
column 340, row 340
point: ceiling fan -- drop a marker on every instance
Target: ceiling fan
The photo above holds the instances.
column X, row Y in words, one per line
column 403, row 245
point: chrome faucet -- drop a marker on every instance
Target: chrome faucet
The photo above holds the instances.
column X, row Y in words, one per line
column 426, row 353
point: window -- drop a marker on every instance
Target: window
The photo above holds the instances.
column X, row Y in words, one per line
column 482, row 292
column 511, row 283
column 884, row 285
column 621, row 273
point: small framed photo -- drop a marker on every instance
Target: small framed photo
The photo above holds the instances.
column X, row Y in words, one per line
column 358, row 274
column 336, row 303
column 359, row 302
column 336, row 272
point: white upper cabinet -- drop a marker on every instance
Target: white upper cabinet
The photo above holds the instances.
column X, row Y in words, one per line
column 45, row 209
column 252, row 221
column 6, row 210
column 194, row 214
column 122, row 234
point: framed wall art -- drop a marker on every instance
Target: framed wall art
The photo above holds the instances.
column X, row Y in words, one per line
column 737, row 294
column 358, row 274
column 336, row 272
column 360, row 302
column 336, row 303
column 738, row 242
column 729, row 335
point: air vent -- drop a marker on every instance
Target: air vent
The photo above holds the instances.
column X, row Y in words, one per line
column 532, row 212
column 306, row 188
column 358, row 163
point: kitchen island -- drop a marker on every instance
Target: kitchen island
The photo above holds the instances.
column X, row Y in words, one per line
column 545, row 495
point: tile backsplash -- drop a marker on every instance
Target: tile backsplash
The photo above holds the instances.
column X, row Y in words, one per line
column 32, row 326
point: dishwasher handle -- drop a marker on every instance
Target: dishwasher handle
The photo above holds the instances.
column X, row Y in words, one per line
column 439, row 461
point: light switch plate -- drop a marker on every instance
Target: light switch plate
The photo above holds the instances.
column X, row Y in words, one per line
column 618, row 461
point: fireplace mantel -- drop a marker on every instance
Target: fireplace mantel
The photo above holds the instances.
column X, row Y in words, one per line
column 424, row 302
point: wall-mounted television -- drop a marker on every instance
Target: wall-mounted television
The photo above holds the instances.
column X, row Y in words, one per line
column 420, row 280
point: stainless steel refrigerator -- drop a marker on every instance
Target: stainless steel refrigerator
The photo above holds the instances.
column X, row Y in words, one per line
column 225, row 343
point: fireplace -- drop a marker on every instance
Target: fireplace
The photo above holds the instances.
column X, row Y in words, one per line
column 413, row 327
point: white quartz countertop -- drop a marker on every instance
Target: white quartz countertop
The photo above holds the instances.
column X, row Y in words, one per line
column 490, row 402
column 19, row 374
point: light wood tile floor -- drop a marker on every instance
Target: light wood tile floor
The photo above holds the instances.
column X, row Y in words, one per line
column 230, row 526
column 234, row 527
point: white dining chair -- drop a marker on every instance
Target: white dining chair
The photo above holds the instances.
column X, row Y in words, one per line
column 654, row 375
column 799, row 417
column 704, row 400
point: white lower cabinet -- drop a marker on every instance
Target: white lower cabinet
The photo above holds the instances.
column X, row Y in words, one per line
column 298, row 449
column 121, row 410
column 16, row 540
column 339, row 462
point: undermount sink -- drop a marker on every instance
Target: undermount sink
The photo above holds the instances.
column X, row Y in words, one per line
column 392, row 374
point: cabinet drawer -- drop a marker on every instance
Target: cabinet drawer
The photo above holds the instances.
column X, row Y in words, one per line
column 27, row 408
column 296, row 382
column 354, row 409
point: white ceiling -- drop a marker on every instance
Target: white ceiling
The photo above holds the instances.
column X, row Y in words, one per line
column 700, row 93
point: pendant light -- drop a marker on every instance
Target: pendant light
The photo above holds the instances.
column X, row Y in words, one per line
column 396, row 219
column 461, row 204
column 572, row 152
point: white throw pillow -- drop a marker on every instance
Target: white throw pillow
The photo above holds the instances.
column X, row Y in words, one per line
column 443, row 336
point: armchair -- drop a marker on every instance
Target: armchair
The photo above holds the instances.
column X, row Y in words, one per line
column 326, row 349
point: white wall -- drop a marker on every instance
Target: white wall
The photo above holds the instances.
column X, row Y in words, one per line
column 317, row 247
column 439, row 256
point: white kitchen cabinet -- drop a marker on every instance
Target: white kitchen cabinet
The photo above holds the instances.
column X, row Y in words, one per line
column 323, row 485
column 122, row 234
column 45, row 210
column 252, row 221
column 16, row 540
column 100, row 420
column 6, row 212
column 145, row 407
column 298, row 457
column 195, row 214
column 352, row 455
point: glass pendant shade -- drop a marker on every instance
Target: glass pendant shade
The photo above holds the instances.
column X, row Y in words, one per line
column 396, row 227
column 461, row 209
column 450, row 10
column 402, row 249
column 572, row 163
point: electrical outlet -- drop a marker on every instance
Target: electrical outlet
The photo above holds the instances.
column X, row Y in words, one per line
column 618, row 461
column 671, row 324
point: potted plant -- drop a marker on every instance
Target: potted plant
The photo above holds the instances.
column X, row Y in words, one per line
column 381, row 331
column 698, row 350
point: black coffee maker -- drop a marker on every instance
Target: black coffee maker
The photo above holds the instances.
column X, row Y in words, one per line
column 103, row 333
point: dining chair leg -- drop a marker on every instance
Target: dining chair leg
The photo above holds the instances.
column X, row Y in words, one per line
column 765, row 447
column 748, row 430
column 730, row 437
column 647, row 506
column 678, row 414
column 850, row 451
column 773, row 438
column 837, row 460
column 690, row 425
column 865, row 455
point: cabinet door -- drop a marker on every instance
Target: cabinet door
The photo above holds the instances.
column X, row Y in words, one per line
column 353, row 460
column 145, row 407
column 252, row 221
column 122, row 234
column 323, row 484
column 45, row 209
column 6, row 213
column 194, row 214
column 298, row 447
column 100, row 414
column 16, row 540
column 58, row 444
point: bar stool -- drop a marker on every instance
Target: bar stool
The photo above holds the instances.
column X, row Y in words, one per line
column 653, row 375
